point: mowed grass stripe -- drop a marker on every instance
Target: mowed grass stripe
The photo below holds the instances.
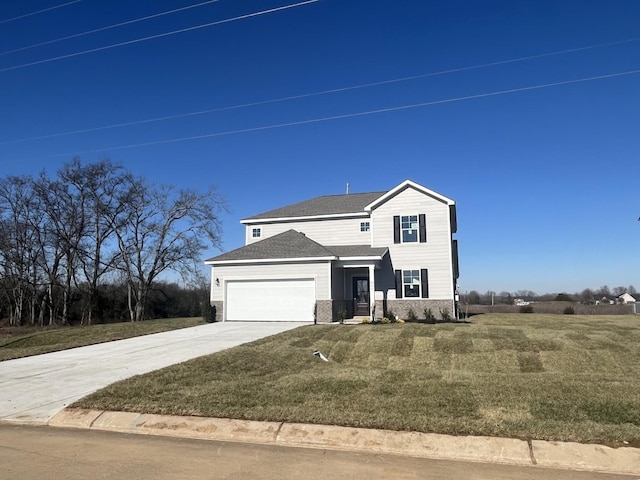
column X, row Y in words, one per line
column 572, row 378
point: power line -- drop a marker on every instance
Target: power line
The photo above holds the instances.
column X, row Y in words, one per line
column 166, row 34
column 323, row 92
column 38, row 12
column 108, row 27
column 357, row 114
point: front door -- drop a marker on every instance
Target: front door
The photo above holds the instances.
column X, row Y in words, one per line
column 360, row 296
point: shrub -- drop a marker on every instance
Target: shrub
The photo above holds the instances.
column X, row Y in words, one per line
column 390, row 315
column 569, row 311
column 411, row 315
column 526, row 309
column 208, row 312
column 366, row 320
column 342, row 314
column 428, row 315
column 385, row 320
column 444, row 314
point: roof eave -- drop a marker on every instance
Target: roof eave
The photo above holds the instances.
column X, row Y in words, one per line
column 270, row 260
column 249, row 221
column 408, row 183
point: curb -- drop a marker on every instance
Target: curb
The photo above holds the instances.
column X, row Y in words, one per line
column 559, row 455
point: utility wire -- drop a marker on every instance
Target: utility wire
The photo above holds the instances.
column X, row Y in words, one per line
column 108, row 27
column 357, row 114
column 323, row 92
column 37, row 12
column 166, row 34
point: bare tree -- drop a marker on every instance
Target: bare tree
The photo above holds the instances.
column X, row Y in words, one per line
column 162, row 229
column 18, row 251
column 65, row 210
column 96, row 187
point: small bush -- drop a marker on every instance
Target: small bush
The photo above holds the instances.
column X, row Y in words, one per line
column 526, row 309
column 385, row 320
column 569, row 311
column 444, row 314
column 411, row 315
column 428, row 315
column 390, row 315
column 342, row 314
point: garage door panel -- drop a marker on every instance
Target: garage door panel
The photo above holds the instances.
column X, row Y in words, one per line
column 270, row 300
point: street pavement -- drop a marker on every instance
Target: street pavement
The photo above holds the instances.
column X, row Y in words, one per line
column 34, row 389
column 35, row 453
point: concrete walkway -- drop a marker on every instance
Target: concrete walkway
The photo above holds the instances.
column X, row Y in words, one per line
column 34, row 389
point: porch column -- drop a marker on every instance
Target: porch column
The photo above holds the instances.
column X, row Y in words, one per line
column 372, row 290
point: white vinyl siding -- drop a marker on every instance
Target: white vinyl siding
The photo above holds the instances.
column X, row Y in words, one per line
column 435, row 255
column 274, row 271
column 344, row 231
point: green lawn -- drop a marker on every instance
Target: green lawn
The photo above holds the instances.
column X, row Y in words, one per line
column 562, row 377
column 24, row 342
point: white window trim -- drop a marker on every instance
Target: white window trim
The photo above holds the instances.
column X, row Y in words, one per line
column 417, row 229
column 404, row 292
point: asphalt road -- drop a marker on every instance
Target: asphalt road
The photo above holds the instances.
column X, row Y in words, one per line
column 36, row 453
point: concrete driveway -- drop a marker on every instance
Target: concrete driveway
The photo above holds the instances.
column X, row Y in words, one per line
column 34, row 389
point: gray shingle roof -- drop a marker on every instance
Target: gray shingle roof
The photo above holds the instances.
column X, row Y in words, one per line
column 293, row 244
column 325, row 205
column 357, row 250
column 289, row 244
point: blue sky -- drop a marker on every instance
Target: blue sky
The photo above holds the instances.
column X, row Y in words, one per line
column 541, row 156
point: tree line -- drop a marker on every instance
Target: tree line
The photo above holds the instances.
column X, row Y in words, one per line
column 95, row 231
column 587, row 296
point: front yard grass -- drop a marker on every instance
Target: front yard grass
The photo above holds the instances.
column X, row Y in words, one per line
column 553, row 377
column 16, row 342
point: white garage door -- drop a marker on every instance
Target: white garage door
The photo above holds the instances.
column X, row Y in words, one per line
column 271, row 300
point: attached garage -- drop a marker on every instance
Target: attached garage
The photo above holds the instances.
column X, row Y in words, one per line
column 281, row 300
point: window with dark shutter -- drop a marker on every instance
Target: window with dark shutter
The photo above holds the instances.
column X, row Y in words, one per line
column 423, row 227
column 398, row 283
column 424, row 280
column 396, row 229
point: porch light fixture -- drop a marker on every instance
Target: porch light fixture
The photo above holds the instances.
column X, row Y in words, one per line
column 217, row 282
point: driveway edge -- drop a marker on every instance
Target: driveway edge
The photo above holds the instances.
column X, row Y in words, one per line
column 563, row 455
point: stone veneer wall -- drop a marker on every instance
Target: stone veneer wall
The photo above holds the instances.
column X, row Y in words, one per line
column 219, row 310
column 327, row 311
column 402, row 307
column 324, row 313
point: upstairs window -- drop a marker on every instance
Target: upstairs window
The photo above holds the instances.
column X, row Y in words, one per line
column 256, row 233
column 410, row 228
column 364, row 226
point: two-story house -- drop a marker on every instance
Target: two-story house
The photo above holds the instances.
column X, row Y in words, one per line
column 359, row 254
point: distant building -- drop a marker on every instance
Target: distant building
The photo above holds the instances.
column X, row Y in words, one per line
column 626, row 298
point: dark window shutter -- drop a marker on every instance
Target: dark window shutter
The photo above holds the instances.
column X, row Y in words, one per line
column 396, row 229
column 456, row 268
column 398, row 283
column 422, row 219
column 424, row 280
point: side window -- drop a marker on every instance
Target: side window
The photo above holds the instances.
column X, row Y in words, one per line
column 411, row 283
column 410, row 228
column 256, row 233
column 364, row 226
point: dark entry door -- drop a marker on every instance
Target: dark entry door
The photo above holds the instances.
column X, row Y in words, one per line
column 360, row 296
